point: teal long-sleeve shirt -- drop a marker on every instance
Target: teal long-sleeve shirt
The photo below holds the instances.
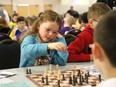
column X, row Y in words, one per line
column 31, row 48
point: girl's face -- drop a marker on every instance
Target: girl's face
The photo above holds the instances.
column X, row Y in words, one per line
column 48, row 30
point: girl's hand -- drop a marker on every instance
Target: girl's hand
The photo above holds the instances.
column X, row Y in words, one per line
column 57, row 46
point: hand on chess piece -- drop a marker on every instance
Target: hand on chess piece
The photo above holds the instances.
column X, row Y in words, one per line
column 57, row 46
column 92, row 81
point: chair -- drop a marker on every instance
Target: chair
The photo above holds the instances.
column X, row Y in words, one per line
column 4, row 36
column 74, row 32
column 9, row 54
column 69, row 38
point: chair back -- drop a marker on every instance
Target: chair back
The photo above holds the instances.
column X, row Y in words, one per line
column 9, row 54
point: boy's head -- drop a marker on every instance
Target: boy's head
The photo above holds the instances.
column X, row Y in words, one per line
column 104, row 47
column 14, row 17
column 21, row 22
column 69, row 20
column 95, row 13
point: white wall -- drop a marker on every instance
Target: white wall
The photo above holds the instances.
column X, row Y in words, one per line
column 61, row 9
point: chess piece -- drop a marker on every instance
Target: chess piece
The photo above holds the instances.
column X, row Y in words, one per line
column 88, row 74
column 57, row 67
column 42, row 79
column 74, row 70
column 74, row 80
column 50, row 70
column 79, row 72
column 80, row 80
column 70, row 80
column 30, row 71
column 46, row 72
column 47, row 83
column 27, row 72
column 63, row 78
column 86, row 78
column 59, row 83
column 99, row 78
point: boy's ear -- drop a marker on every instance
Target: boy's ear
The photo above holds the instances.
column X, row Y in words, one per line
column 90, row 21
column 96, row 51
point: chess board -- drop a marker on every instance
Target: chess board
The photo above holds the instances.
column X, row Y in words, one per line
column 69, row 78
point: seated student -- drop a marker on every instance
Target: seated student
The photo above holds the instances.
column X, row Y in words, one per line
column 13, row 23
column 104, row 49
column 30, row 21
column 79, row 49
column 84, row 21
column 68, row 22
column 21, row 27
column 43, row 41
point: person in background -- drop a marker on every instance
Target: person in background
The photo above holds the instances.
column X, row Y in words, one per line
column 4, row 28
column 13, row 23
column 14, row 12
column 83, row 21
column 43, row 42
column 80, row 49
column 21, row 27
column 4, row 14
column 68, row 22
column 104, row 49
column 73, row 13
column 30, row 21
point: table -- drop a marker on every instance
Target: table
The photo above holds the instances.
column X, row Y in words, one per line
column 21, row 72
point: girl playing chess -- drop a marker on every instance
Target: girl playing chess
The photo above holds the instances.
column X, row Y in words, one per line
column 43, row 42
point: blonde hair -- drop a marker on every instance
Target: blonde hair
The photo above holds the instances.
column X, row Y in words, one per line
column 70, row 20
column 46, row 16
column 97, row 10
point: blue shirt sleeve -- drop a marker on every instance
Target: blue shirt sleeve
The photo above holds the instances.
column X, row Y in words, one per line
column 58, row 57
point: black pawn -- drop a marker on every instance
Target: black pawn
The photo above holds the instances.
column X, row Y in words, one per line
column 80, row 80
column 27, row 71
column 99, row 78
column 79, row 72
column 30, row 71
column 86, row 78
column 74, row 81
column 59, row 83
column 70, row 80
column 42, row 79
column 88, row 74
column 63, row 78
column 47, row 80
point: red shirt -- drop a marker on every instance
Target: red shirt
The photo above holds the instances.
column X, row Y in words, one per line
column 79, row 49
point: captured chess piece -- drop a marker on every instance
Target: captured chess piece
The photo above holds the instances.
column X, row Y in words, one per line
column 28, row 71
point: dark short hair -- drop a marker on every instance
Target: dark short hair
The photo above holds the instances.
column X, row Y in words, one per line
column 84, row 17
column 105, row 35
column 20, row 18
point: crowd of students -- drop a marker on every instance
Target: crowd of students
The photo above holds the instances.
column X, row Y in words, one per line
column 42, row 39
